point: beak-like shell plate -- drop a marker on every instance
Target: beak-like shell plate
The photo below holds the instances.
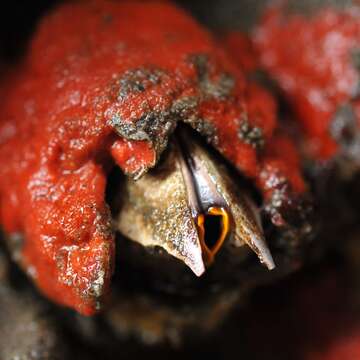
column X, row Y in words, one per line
column 155, row 212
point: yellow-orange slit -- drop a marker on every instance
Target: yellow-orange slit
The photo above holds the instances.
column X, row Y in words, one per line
column 209, row 253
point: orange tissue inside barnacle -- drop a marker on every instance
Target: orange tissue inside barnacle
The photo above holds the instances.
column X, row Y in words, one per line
column 213, row 228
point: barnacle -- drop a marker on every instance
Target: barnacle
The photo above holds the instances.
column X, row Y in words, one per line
column 174, row 208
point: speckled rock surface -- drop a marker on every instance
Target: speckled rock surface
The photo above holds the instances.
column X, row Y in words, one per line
column 28, row 330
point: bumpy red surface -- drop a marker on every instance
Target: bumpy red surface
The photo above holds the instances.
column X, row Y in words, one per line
column 94, row 70
column 312, row 58
column 280, row 159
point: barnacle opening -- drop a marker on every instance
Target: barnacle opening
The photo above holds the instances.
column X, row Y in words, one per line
column 211, row 194
column 213, row 228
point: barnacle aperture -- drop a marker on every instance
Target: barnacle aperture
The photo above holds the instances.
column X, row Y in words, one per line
column 212, row 192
